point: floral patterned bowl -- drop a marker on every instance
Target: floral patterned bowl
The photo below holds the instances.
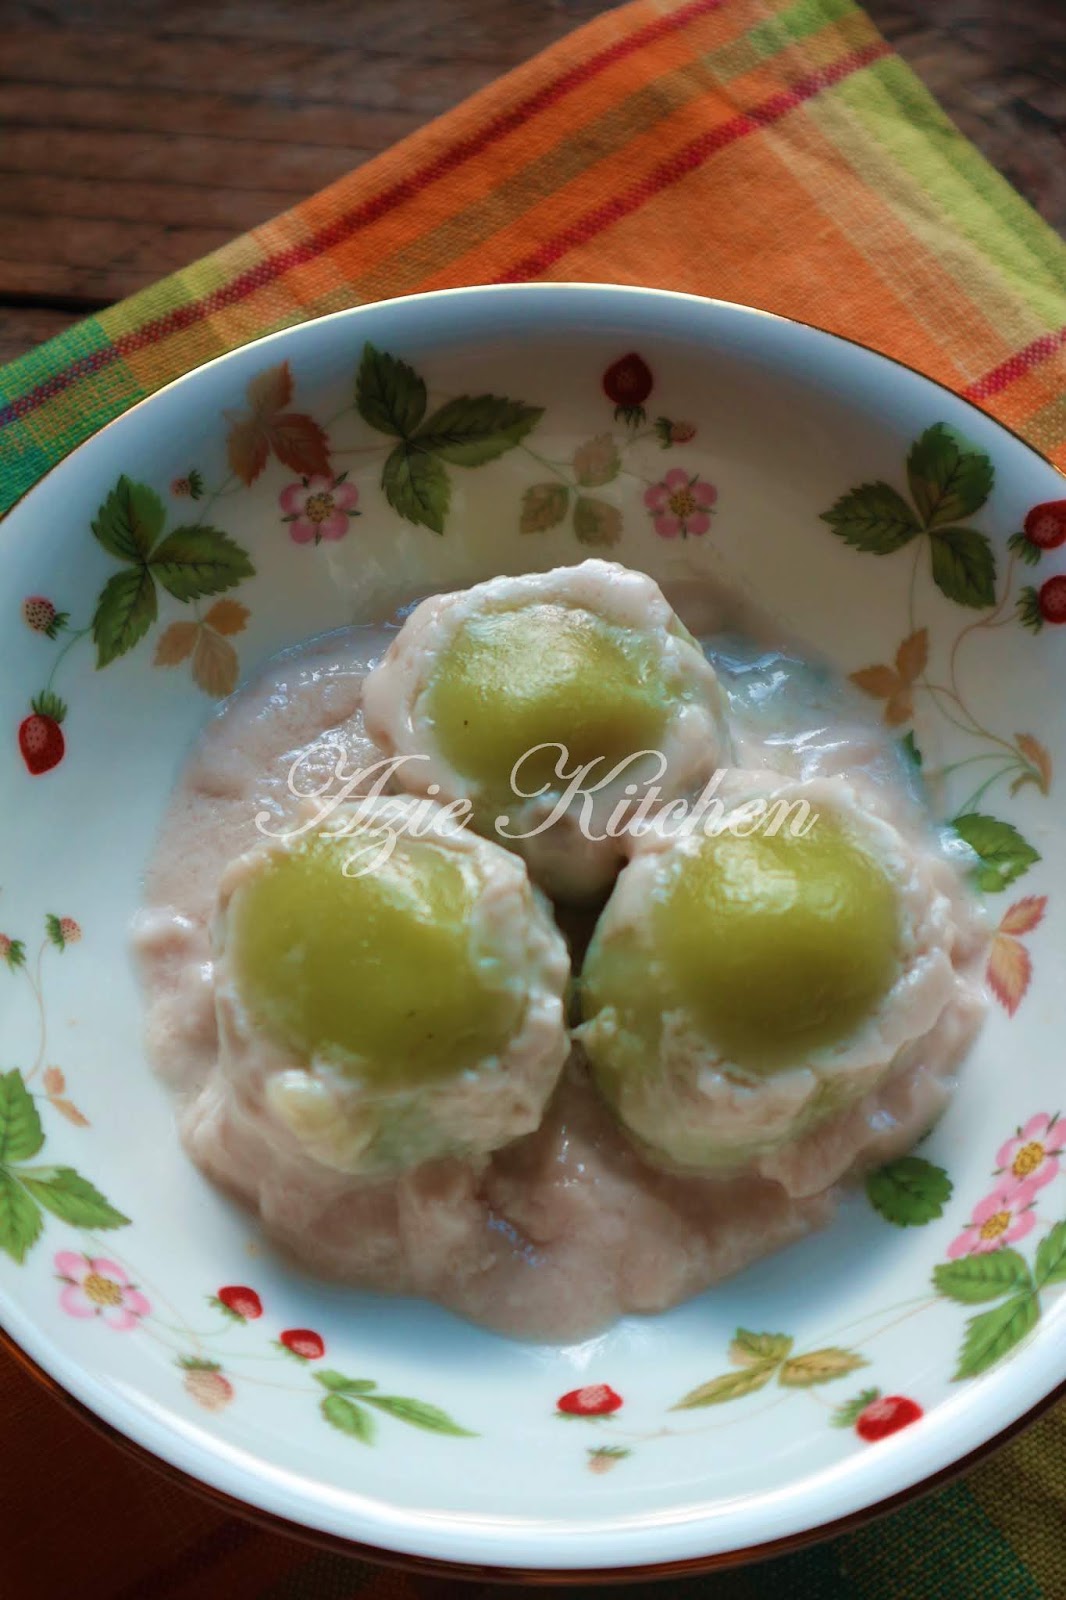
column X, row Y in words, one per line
column 307, row 481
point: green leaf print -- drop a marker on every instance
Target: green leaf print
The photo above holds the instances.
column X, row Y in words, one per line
column 416, row 485
column 24, row 1191
column 909, row 1192
column 1051, row 1257
column 347, row 1417
column 419, row 1414
column 984, row 1277
column 191, row 562
column 337, row 1383
column 875, row 518
column 389, row 395
column 1003, row 854
column 948, row 480
column 20, row 1220
column 72, row 1198
column 125, row 611
column 964, row 566
column 195, row 561
column 471, row 430
column 466, row 431
column 129, row 521
column 992, row 1334
column 21, row 1134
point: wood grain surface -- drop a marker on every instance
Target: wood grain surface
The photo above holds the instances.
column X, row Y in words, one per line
column 136, row 135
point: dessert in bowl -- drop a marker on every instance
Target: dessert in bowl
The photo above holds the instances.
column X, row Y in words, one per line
column 633, row 1063
column 360, row 994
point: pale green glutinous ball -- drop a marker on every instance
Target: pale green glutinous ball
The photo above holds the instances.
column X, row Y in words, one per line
column 511, row 680
column 505, row 694
column 754, row 954
column 416, row 1006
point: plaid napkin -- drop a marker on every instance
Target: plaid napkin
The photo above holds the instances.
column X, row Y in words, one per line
column 769, row 151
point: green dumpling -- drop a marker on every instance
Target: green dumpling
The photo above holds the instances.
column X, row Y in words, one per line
column 376, row 974
column 778, row 945
column 391, row 991
column 749, row 957
column 546, row 674
column 590, row 660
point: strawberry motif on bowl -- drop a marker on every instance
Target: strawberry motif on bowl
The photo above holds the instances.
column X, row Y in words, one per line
column 591, row 1400
column 239, row 1302
column 41, row 741
column 303, row 1343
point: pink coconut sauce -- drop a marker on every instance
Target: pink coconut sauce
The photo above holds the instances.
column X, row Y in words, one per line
column 560, row 1233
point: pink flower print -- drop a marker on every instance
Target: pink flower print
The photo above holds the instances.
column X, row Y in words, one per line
column 97, row 1287
column 1002, row 1217
column 1032, row 1156
column 318, row 508
column 680, row 504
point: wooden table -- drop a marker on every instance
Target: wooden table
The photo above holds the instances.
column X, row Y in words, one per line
column 136, row 135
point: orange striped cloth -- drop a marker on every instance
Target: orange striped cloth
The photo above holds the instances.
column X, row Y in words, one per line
column 769, row 151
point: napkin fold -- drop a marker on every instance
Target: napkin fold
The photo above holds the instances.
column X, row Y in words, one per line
column 774, row 152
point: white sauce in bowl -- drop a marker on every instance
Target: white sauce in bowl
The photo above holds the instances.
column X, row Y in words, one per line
column 570, row 1227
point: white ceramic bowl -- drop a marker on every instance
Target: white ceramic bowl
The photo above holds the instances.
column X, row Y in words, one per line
column 480, row 1466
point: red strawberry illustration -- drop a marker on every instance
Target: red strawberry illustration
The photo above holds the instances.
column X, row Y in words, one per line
column 1046, row 605
column 70, row 930
column 628, row 383
column 238, row 1301
column 592, row 1400
column 206, row 1383
column 1045, row 525
column 41, row 615
column 12, row 952
column 303, row 1342
column 40, row 736
column 887, row 1414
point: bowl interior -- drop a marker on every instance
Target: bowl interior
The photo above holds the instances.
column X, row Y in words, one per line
column 113, row 1249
